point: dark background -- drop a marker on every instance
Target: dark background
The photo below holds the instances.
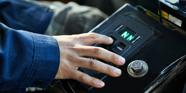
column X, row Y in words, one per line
column 109, row 6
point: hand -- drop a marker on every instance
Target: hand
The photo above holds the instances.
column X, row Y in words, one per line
column 76, row 51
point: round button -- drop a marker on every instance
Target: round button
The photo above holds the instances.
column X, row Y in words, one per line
column 137, row 68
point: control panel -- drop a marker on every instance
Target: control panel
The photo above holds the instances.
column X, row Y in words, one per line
column 128, row 39
column 147, row 46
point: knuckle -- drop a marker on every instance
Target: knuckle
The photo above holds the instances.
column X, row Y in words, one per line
column 83, row 78
column 114, row 57
column 93, row 80
column 110, row 69
column 78, row 61
column 72, row 58
column 70, row 74
column 92, row 63
column 92, row 35
column 96, row 50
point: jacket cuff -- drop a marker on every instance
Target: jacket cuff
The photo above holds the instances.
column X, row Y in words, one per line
column 46, row 60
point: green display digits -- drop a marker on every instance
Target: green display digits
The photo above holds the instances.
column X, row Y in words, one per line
column 125, row 34
column 128, row 35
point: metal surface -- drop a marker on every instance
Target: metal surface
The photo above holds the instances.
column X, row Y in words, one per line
column 137, row 68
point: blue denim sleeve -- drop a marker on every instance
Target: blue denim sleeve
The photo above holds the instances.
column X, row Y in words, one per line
column 26, row 59
column 20, row 14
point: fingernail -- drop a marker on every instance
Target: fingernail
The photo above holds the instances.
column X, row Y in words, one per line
column 116, row 71
column 121, row 61
column 99, row 83
column 111, row 40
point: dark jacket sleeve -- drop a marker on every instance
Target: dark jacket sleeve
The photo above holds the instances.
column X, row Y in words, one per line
column 26, row 59
column 20, row 14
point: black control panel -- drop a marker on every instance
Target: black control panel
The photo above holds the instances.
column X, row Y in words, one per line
column 147, row 46
column 128, row 32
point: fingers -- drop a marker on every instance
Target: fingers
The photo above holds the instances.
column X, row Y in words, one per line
column 93, row 38
column 100, row 53
column 96, row 65
column 84, row 78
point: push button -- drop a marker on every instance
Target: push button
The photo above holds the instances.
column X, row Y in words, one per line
column 119, row 47
column 137, row 68
column 114, row 40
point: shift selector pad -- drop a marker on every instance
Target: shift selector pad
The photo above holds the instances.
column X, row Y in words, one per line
column 146, row 45
column 129, row 35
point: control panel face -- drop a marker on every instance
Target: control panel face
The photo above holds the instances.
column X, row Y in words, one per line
column 147, row 46
column 129, row 35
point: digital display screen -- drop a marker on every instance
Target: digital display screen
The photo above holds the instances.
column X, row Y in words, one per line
column 128, row 35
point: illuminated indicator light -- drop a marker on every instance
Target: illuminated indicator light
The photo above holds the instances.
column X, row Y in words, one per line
column 164, row 14
column 130, row 38
column 125, row 34
column 128, row 35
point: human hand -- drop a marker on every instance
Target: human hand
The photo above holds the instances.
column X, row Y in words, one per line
column 76, row 51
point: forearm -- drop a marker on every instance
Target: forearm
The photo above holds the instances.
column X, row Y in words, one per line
column 27, row 59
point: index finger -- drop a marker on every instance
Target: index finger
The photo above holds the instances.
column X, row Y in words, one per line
column 94, row 38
